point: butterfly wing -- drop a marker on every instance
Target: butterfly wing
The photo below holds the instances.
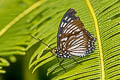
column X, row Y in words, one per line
column 68, row 17
column 80, row 42
column 73, row 37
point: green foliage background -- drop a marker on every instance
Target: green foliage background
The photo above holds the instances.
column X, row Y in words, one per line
column 20, row 55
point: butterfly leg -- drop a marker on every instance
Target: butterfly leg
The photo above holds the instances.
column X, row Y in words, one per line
column 76, row 61
column 60, row 64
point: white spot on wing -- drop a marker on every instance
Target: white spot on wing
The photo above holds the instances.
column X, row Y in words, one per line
column 66, row 18
column 70, row 31
column 59, row 35
column 63, row 43
column 88, row 45
column 77, row 30
column 64, row 56
column 60, row 45
column 81, row 37
column 64, row 24
column 69, row 19
column 64, row 39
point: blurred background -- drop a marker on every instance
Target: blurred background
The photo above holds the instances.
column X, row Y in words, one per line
column 24, row 58
column 13, row 61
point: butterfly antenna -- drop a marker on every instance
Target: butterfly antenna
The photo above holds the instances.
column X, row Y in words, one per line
column 41, row 41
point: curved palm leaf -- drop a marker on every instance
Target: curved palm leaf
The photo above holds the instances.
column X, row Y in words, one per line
column 100, row 18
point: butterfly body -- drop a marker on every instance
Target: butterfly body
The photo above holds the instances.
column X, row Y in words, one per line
column 72, row 38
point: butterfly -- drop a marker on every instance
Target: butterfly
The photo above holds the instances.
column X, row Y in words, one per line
column 72, row 38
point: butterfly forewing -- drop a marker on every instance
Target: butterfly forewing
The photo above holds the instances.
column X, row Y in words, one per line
column 68, row 17
column 73, row 37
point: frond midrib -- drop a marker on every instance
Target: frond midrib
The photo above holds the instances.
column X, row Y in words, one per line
column 98, row 37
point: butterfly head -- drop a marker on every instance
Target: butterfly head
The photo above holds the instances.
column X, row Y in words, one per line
column 53, row 51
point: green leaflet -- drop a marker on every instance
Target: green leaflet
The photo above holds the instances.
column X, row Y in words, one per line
column 14, row 30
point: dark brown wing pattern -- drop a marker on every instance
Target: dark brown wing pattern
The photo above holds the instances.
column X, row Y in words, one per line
column 75, row 39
